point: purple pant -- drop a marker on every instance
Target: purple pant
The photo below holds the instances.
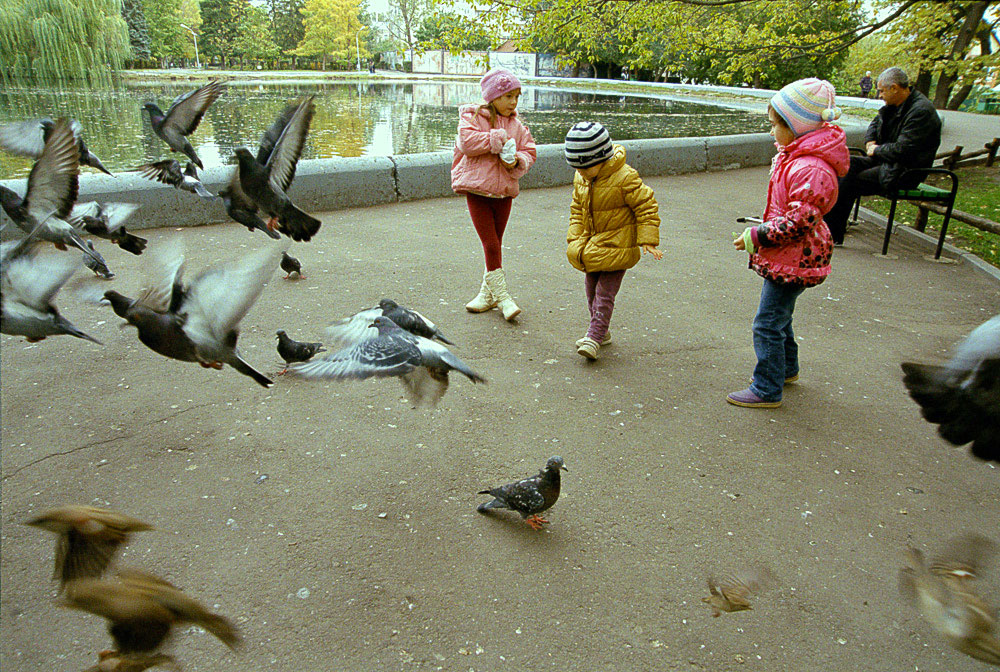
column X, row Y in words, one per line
column 602, row 287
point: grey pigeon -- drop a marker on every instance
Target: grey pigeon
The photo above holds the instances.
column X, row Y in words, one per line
column 295, row 351
column 290, row 264
column 28, row 138
column 355, row 328
column 107, row 220
column 183, row 117
column 199, row 322
column 963, row 396
column 421, row 364
column 100, row 268
column 239, row 206
column 264, row 184
column 52, row 188
column 169, row 172
column 28, row 283
column 529, row 496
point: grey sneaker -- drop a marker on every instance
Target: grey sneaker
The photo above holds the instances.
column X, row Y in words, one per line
column 588, row 347
column 605, row 341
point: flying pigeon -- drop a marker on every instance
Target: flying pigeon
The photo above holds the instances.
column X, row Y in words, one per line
column 421, row 364
column 107, row 221
column 290, row 264
column 52, row 188
column 199, row 322
column 264, row 184
column 963, row 396
column 355, row 328
column 143, row 609
column 529, row 496
column 733, row 591
column 169, row 172
column 97, row 265
column 183, row 117
column 28, row 138
column 28, row 283
column 945, row 594
column 87, row 539
column 239, row 206
column 294, row 351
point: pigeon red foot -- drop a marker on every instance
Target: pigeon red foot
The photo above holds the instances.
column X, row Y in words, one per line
column 536, row 522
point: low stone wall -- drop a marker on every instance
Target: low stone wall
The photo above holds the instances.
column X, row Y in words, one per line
column 334, row 184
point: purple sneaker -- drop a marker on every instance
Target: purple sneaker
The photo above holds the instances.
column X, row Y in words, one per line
column 748, row 399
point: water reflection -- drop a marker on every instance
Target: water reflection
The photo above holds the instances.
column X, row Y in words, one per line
column 352, row 118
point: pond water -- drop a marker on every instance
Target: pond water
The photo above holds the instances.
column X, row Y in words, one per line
column 352, row 118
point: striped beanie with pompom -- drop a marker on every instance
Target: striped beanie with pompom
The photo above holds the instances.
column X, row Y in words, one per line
column 588, row 143
column 806, row 104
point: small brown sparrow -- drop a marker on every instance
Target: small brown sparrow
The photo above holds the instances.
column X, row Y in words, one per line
column 87, row 539
column 732, row 592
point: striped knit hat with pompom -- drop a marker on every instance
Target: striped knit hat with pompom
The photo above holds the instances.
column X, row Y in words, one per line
column 806, row 104
column 588, row 143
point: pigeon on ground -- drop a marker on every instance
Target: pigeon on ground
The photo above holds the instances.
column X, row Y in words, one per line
column 294, row 351
column 87, row 539
column 265, row 183
column 169, row 172
column 732, row 592
column 107, row 221
column 239, row 206
column 116, row 661
column 290, row 264
column 353, row 329
column 945, row 594
column 421, row 365
column 143, row 609
column 183, row 117
column 28, row 283
column 963, row 396
column 529, row 496
column 96, row 263
column 52, row 188
column 28, row 138
column 199, row 322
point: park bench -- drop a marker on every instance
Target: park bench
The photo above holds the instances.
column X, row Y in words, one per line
column 922, row 192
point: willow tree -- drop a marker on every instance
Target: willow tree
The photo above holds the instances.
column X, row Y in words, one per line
column 62, row 40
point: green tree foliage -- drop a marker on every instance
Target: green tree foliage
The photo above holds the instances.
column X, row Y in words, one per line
column 452, row 31
column 220, row 28
column 331, row 28
column 167, row 38
column 138, row 31
column 254, row 40
column 286, row 22
column 62, row 39
column 404, row 18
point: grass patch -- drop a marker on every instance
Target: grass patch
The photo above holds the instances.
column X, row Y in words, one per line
column 978, row 194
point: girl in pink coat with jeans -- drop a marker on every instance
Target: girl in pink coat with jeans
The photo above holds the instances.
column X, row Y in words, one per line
column 791, row 249
column 492, row 151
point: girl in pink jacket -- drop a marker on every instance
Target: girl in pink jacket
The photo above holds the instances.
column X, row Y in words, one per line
column 791, row 249
column 492, row 151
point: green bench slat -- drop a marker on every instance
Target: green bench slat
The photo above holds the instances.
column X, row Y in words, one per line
column 924, row 191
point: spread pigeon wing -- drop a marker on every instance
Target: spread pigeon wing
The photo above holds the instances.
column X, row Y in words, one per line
column 380, row 357
column 273, row 134
column 116, row 214
column 164, row 277
column 287, row 150
column 53, row 181
column 186, row 111
column 167, row 171
column 34, row 280
column 354, row 329
column 24, row 138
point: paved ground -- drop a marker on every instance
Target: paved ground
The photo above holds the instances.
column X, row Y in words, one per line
column 361, row 549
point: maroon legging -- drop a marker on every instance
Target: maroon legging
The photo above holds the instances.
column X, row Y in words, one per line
column 489, row 216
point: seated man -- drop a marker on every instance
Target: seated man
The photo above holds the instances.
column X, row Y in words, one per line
column 905, row 134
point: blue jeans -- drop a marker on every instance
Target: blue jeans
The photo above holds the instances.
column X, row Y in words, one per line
column 773, row 340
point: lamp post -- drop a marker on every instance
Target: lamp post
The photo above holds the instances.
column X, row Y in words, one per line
column 197, row 62
column 357, row 44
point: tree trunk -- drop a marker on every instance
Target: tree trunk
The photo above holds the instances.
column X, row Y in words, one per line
column 959, row 97
column 970, row 26
column 923, row 82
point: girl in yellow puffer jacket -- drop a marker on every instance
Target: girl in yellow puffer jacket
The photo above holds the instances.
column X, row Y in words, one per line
column 613, row 219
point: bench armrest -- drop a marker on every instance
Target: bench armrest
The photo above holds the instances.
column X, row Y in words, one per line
column 936, row 171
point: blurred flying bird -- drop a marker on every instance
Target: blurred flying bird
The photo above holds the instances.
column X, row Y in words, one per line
column 290, row 264
column 107, row 221
column 355, row 328
column 294, row 351
column 963, row 396
column 264, row 183
column 732, row 592
column 183, row 117
column 28, row 138
column 421, row 365
column 529, row 496
column 87, row 539
column 96, row 263
column 169, row 172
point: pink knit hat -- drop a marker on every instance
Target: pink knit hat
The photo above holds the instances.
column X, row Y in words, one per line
column 497, row 82
column 806, row 104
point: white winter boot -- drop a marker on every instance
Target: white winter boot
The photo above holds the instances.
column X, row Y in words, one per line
column 484, row 299
column 496, row 281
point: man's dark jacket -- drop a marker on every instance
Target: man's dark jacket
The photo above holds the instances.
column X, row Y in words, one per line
column 908, row 136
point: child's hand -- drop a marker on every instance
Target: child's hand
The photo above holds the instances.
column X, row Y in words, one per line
column 744, row 241
column 651, row 249
column 738, row 241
